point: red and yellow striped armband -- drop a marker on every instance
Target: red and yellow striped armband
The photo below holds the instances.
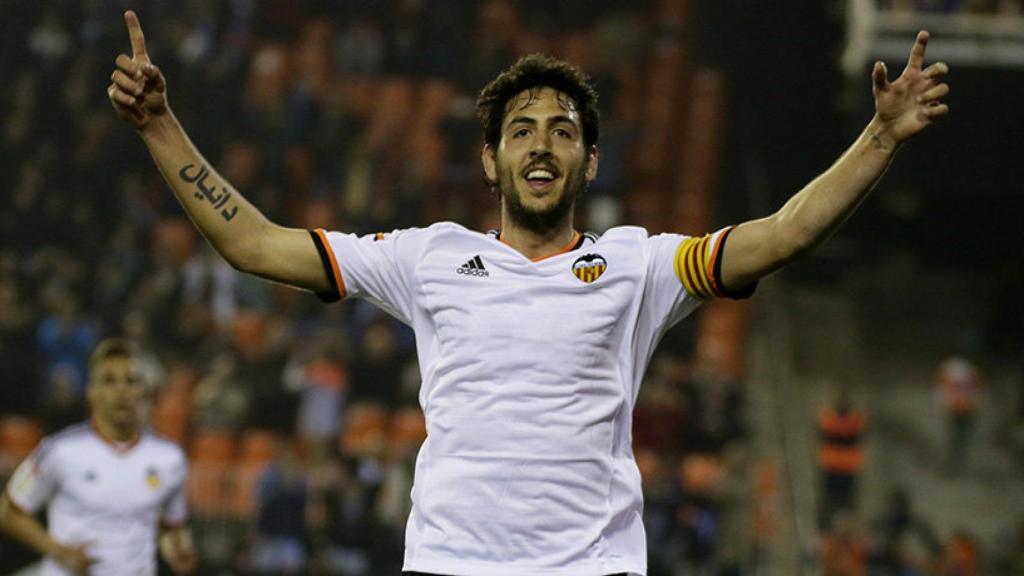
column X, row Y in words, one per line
column 697, row 265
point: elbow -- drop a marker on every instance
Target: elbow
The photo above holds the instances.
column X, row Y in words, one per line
column 246, row 261
column 792, row 241
column 247, row 253
column 6, row 513
column 240, row 258
column 799, row 247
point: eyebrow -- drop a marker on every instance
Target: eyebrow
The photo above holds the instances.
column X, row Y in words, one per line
column 557, row 119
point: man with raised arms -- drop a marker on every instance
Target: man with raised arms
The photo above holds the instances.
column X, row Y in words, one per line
column 532, row 340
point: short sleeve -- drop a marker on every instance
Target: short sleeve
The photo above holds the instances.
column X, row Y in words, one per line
column 378, row 267
column 35, row 480
column 665, row 299
column 175, row 508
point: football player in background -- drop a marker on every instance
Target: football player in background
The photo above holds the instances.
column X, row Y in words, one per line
column 113, row 492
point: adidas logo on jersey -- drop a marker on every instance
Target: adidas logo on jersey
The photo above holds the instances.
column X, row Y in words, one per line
column 475, row 267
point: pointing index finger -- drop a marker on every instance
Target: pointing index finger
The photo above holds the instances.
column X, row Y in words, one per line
column 917, row 52
column 138, row 39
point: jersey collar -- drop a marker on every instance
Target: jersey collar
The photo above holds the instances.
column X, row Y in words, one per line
column 119, row 447
column 574, row 243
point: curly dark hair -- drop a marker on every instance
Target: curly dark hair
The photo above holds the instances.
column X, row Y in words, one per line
column 534, row 72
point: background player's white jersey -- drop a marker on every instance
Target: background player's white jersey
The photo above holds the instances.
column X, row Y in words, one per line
column 530, row 373
column 109, row 496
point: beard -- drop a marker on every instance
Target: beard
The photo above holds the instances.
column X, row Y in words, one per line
column 545, row 219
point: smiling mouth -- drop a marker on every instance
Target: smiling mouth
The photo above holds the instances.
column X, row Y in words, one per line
column 540, row 178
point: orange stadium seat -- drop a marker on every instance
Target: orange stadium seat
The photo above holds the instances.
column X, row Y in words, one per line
column 19, row 435
column 365, row 430
column 258, row 449
column 648, row 462
column 249, row 332
column 388, row 117
column 172, row 410
column 435, row 98
column 408, row 430
column 212, row 446
column 175, row 239
column 700, row 473
column 209, row 479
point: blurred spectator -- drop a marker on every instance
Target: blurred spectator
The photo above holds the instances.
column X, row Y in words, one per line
column 1009, row 553
column 904, row 542
column 844, row 549
column 260, row 342
column 733, row 551
column 660, row 415
column 1011, row 432
column 66, row 338
column 322, row 383
column 278, row 546
column 64, row 403
column 715, row 405
column 220, row 400
column 659, row 510
column 840, row 455
column 961, row 389
column 699, row 513
column 17, row 346
column 376, row 370
column 962, row 555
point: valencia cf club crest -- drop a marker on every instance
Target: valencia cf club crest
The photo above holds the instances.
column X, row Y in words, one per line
column 152, row 478
column 589, row 267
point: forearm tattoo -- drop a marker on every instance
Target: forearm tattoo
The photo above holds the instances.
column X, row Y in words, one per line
column 206, row 192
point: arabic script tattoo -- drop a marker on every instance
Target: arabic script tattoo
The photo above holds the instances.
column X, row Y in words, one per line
column 208, row 192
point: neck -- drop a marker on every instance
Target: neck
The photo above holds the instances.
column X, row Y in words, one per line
column 115, row 432
column 534, row 244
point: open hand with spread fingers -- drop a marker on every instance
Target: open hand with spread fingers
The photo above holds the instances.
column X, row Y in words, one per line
column 913, row 101
column 137, row 90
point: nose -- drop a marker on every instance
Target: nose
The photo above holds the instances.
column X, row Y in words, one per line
column 541, row 145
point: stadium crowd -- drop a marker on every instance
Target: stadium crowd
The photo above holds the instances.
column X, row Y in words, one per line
column 300, row 419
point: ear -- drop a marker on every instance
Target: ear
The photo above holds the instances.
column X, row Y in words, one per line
column 487, row 159
column 591, row 171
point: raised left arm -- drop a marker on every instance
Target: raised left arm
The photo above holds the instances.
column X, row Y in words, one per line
column 903, row 108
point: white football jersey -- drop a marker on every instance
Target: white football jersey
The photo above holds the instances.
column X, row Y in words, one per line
column 111, row 497
column 530, row 371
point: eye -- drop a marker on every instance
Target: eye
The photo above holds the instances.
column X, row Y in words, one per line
column 563, row 133
column 520, row 133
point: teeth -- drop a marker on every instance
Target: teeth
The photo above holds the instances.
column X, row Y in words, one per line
column 540, row 174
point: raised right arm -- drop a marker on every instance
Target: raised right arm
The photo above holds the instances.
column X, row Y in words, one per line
column 234, row 227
